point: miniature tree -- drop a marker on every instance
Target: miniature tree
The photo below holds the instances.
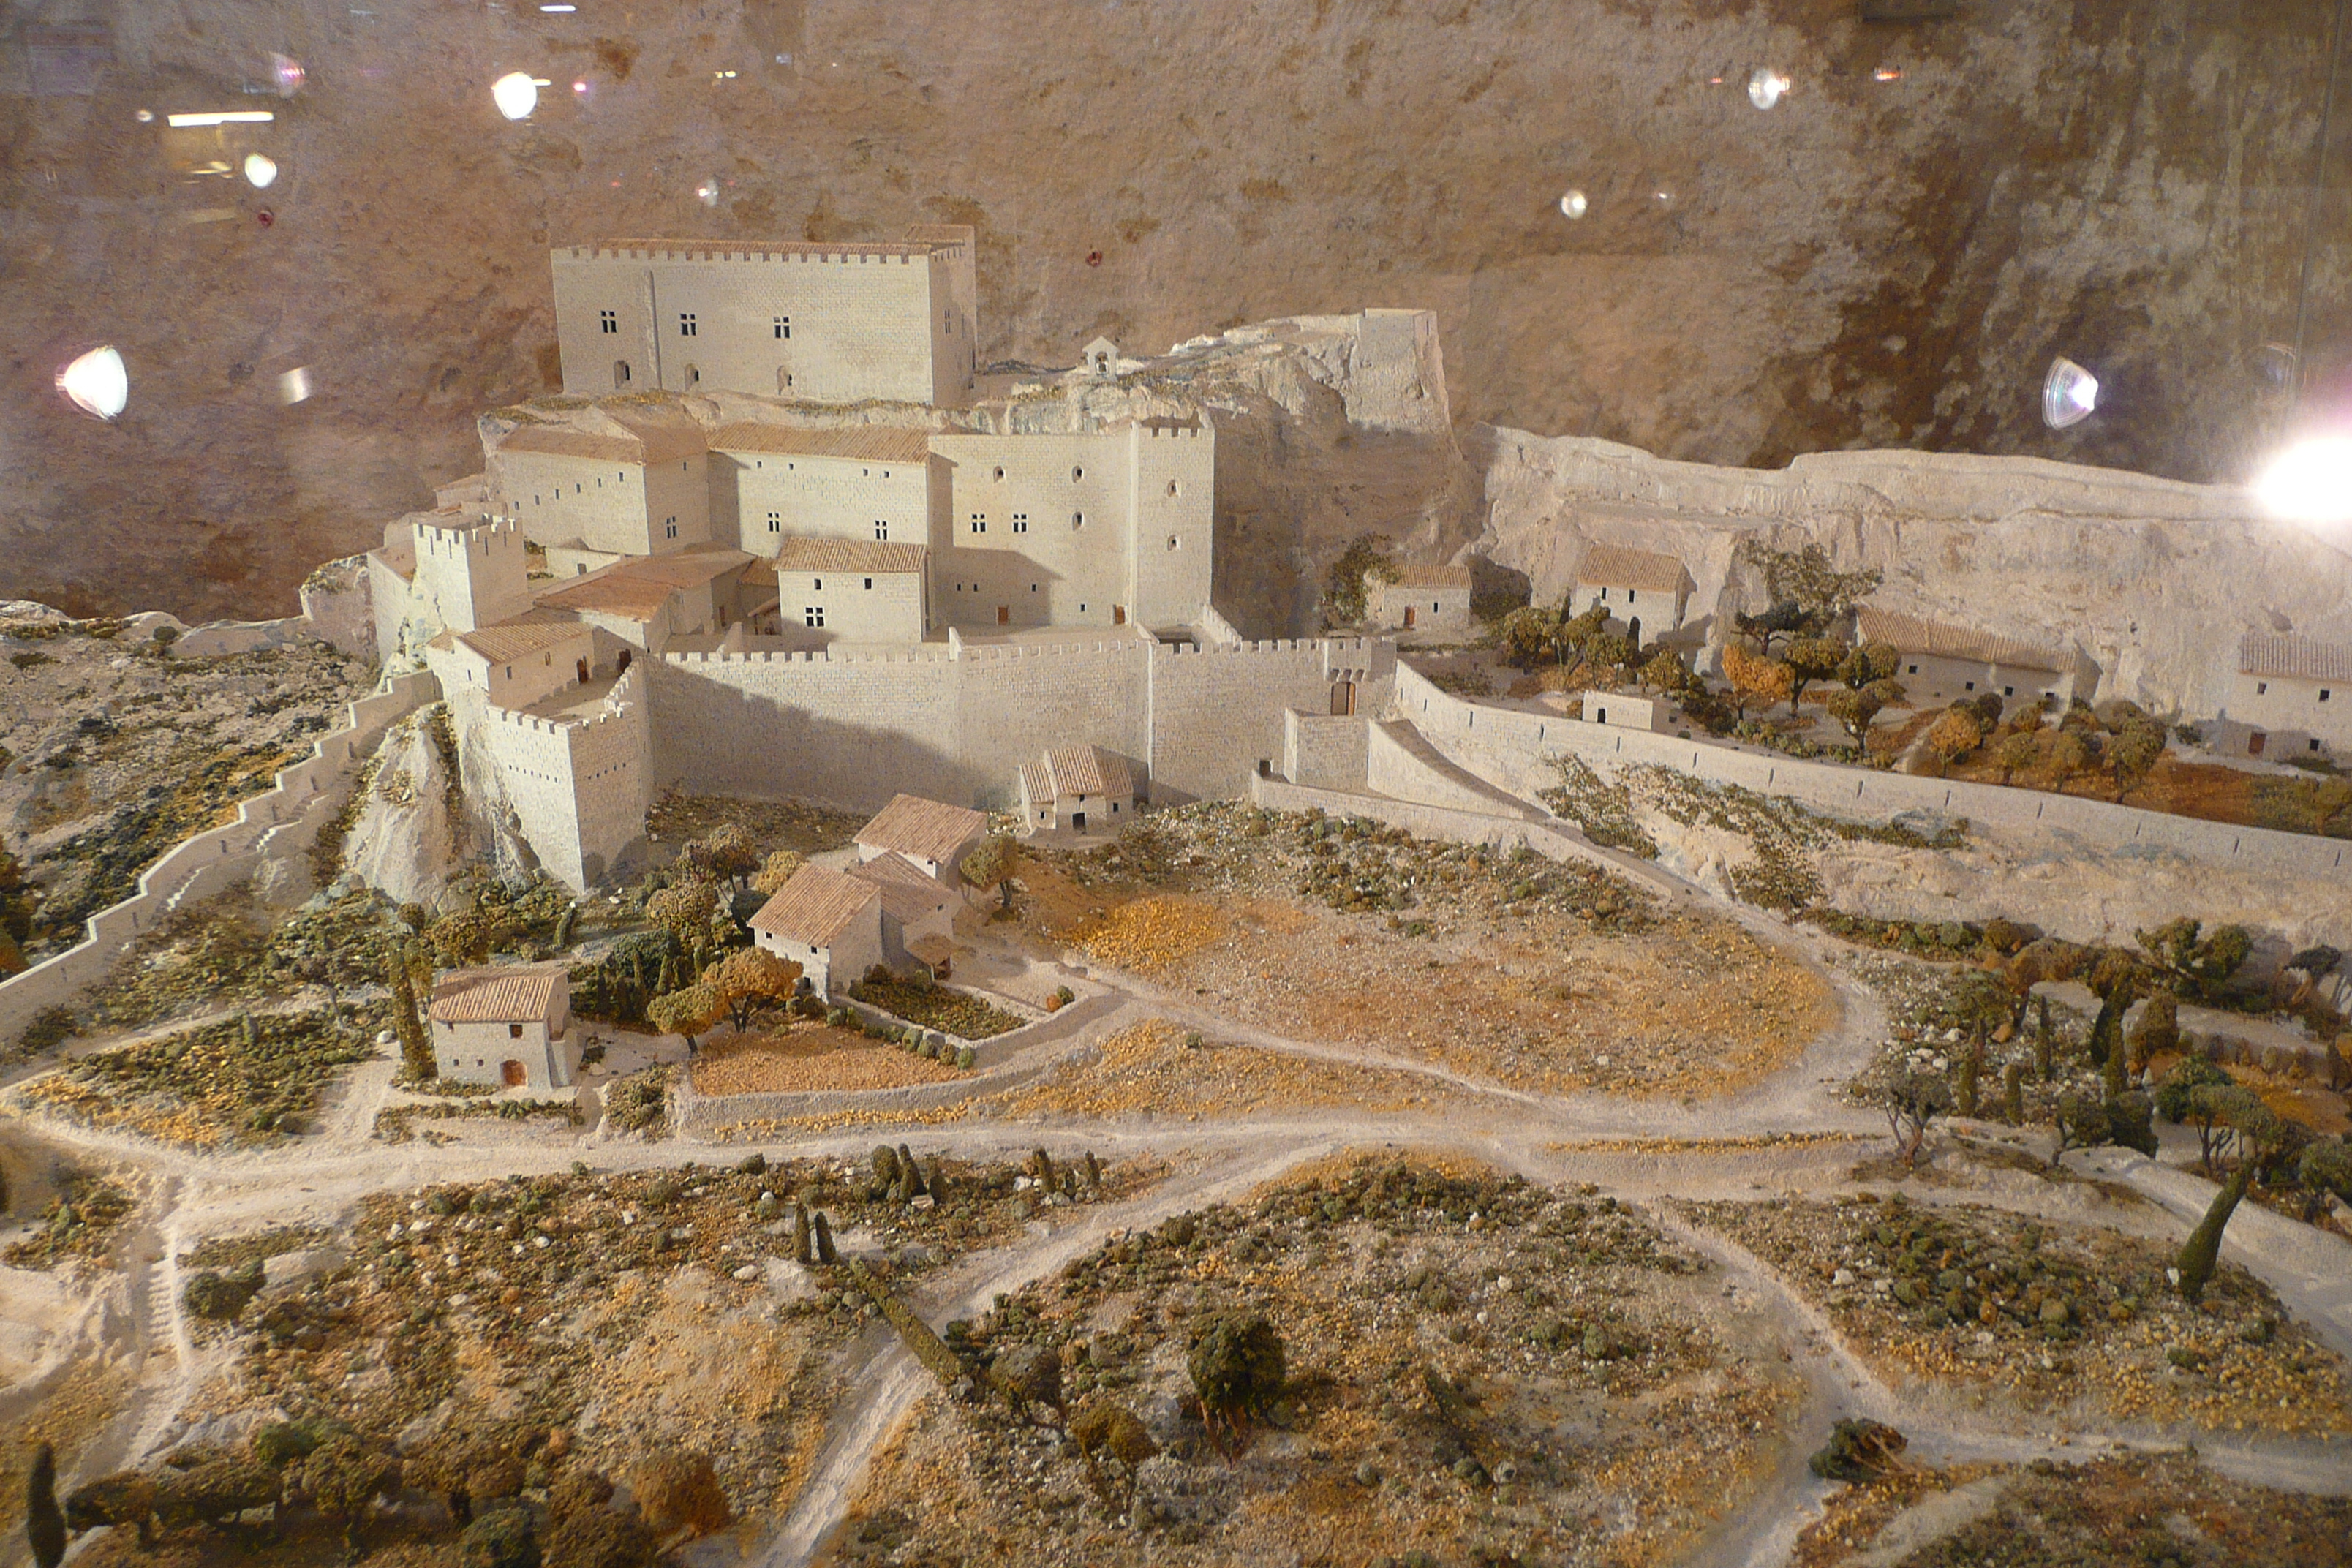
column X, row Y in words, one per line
column 823, row 1228
column 687, row 1011
column 2189, row 1094
column 748, row 976
column 341, row 1476
column 1527, row 634
column 2045, row 1042
column 1344, row 589
column 1970, row 1067
column 1236, row 1368
column 2018, row 752
column 1855, row 710
column 1665, row 671
column 2133, row 754
column 684, row 910
column 416, row 1063
column 462, row 937
column 776, row 871
column 2156, row 1031
column 1755, row 682
column 2013, row 1094
column 1869, row 664
column 1911, row 1101
column 1807, row 576
column 503, row 1538
column 2200, row 964
column 1784, row 619
column 2117, row 980
column 44, row 1523
column 725, row 853
column 1809, row 659
column 1571, row 634
column 2201, row 1253
column 2086, row 1123
column 2327, row 1167
column 1954, row 733
column 993, row 865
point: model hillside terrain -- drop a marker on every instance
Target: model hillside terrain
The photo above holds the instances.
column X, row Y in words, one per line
column 848, row 955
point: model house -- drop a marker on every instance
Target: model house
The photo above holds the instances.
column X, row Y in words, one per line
column 517, row 664
column 508, row 1027
column 829, row 923
column 844, row 590
column 1425, row 599
column 832, row 323
column 1943, row 663
column 773, row 482
column 931, row 834
column 2290, row 698
column 1624, row 710
column 637, row 485
column 918, row 910
column 1096, row 528
column 650, row 601
column 1628, row 583
column 1076, row 789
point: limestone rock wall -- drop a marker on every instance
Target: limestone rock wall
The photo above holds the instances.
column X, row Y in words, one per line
column 2154, row 580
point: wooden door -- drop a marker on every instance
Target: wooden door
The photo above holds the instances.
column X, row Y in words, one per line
column 1409, row 614
column 514, row 1073
column 1003, row 614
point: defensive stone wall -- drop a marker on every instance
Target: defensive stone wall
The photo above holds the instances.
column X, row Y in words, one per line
column 579, row 787
column 1519, row 751
column 281, row 821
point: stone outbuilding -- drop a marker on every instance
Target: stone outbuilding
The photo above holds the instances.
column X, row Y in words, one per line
column 1947, row 663
column 932, row 834
column 829, row 923
column 1425, row 599
column 917, row 912
column 1628, row 583
column 508, row 1027
column 1076, row 789
column 1624, row 710
column 2292, row 698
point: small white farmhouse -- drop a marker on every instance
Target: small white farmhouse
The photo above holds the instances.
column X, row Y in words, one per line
column 1423, row 599
column 508, row 1027
column 1947, row 663
column 1078, row 789
column 1628, row 583
column 2293, row 697
column 932, row 832
column 828, row 922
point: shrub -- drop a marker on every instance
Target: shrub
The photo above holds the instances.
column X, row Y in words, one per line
column 503, row 1538
column 221, row 1297
column 1236, row 1366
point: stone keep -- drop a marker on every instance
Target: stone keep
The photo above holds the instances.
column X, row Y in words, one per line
column 770, row 482
column 643, row 488
column 1098, row 529
column 828, row 323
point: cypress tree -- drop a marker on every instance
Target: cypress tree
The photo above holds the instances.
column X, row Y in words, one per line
column 2202, row 1251
column 45, row 1523
column 2013, row 1094
column 801, row 1253
column 2044, row 1048
column 824, row 1252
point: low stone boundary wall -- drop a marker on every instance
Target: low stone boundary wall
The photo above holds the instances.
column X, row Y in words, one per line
column 1013, row 1059
column 286, row 818
column 1519, row 752
column 1555, row 842
column 216, row 637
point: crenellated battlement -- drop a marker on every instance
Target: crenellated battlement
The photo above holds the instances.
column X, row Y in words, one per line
column 645, row 251
column 453, row 540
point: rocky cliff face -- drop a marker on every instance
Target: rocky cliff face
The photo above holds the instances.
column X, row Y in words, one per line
column 2153, row 579
column 1888, row 257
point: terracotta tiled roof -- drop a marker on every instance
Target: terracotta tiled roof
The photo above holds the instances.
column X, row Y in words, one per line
column 687, row 568
column 640, row 439
column 1913, row 633
column 512, row 994
column 519, row 636
column 794, row 553
column 611, row 592
column 1436, row 578
column 1615, row 566
column 2293, row 658
column 815, row 906
column 706, row 248
column 909, row 892
column 857, row 443
column 1079, row 769
column 921, row 829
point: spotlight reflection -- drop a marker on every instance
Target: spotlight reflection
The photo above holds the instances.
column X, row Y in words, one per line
column 2310, row 482
column 97, row 381
column 1574, row 205
column 294, row 385
column 707, row 192
column 1767, row 86
column 2069, row 393
column 287, row 72
column 259, row 171
column 516, row 94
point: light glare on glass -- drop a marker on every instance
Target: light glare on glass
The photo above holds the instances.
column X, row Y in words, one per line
column 287, row 72
column 516, row 94
column 97, row 381
column 1767, row 86
column 707, row 192
column 1573, row 204
column 294, row 385
column 259, row 171
column 2310, row 482
column 2069, row 393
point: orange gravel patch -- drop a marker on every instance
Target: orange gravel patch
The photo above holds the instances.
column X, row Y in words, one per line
column 812, row 1057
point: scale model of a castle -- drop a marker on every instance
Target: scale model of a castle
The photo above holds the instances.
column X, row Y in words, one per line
column 772, row 540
